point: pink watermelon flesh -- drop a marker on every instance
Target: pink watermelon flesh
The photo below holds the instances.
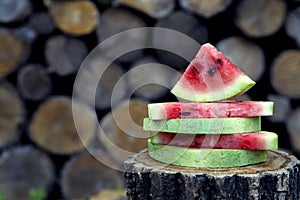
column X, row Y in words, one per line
column 262, row 140
column 211, row 76
column 175, row 110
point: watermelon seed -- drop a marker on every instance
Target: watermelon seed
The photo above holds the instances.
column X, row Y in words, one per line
column 212, row 71
column 219, row 62
column 185, row 113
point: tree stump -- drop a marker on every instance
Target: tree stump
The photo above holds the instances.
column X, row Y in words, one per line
column 277, row 178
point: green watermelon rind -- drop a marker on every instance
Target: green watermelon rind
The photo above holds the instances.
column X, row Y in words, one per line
column 237, row 87
column 270, row 139
column 205, row 158
column 156, row 111
column 204, row 125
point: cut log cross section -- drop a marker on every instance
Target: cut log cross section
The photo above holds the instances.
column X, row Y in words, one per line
column 277, row 178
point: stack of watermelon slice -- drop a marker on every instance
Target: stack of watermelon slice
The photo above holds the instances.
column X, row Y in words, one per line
column 210, row 130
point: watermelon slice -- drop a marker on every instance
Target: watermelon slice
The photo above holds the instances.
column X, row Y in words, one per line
column 174, row 110
column 204, row 125
column 206, row 158
column 262, row 140
column 211, row 76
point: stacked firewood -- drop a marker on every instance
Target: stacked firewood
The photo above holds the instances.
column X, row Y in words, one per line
column 46, row 154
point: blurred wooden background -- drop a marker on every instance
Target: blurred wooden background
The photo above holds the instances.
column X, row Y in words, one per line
column 43, row 43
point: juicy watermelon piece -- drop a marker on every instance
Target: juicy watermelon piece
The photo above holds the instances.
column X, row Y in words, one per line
column 262, row 140
column 205, row 158
column 211, row 76
column 176, row 110
column 205, row 125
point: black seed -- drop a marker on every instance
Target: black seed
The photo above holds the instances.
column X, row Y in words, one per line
column 219, row 62
column 185, row 113
column 212, row 71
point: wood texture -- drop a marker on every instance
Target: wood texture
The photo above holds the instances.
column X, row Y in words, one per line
column 154, row 8
column 117, row 20
column 248, row 56
column 24, row 169
column 12, row 51
column 292, row 25
column 278, row 178
column 12, row 114
column 84, row 176
column 75, row 17
column 52, row 126
column 205, row 8
column 98, row 77
column 192, row 28
column 14, row 10
column 64, row 55
column 33, row 82
column 149, row 79
column 285, row 72
column 258, row 18
column 123, row 128
column 293, row 128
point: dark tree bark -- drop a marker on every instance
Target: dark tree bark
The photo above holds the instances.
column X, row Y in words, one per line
column 278, row 178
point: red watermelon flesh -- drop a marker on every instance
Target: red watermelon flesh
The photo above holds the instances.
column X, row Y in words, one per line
column 211, row 76
column 175, row 110
column 262, row 140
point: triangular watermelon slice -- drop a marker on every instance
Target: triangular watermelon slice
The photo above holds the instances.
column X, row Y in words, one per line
column 211, row 76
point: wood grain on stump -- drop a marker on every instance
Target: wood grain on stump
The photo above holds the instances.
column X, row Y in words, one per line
column 52, row 126
column 248, row 56
column 22, row 170
column 12, row 52
column 258, row 18
column 285, row 72
column 277, row 178
column 84, row 176
column 110, row 194
column 12, row 114
column 75, row 17
column 205, row 8
column 154, row 8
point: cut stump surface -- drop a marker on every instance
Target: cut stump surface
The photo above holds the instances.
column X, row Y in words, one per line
column 277, row 178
